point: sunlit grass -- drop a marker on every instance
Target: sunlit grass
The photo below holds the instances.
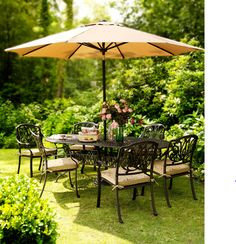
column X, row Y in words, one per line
column 81, row 222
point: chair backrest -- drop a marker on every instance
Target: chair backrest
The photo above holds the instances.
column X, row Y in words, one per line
column 137, row 157
column 24, row 136
column 155, row 131
column 38, row 138
column 77, row 126
column 180, row 150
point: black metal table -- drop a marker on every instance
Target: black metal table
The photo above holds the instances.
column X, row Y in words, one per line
column 70, row 139
column 106, row 150
column 107, row 157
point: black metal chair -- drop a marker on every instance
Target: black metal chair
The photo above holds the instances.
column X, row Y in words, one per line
column 66, row 164
column 132, row 168
column 27, row 145
column 84, row 153
column 177, row 162
column 156, row 131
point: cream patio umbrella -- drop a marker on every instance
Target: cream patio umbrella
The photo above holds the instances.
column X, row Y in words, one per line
column 102, row 40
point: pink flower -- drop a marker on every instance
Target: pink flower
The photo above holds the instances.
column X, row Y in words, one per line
column 108, row 116
column 114, row 124
column 104, row 110
column 125, row 109
column 123, row 101
column 117, row 106
column 103, row 117
column 130, row 110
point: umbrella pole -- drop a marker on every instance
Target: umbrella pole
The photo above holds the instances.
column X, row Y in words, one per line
column 104, row 93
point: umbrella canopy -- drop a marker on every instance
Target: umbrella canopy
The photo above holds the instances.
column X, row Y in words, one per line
column 102, row 40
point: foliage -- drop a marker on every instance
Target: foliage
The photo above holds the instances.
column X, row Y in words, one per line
column 167, row 90
column 23, row 80
column 173, row 19
column 199, row 172
column 24, row 218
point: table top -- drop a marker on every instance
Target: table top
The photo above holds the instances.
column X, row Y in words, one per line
column 72, row 139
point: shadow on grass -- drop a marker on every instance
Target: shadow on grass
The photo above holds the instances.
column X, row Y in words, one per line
column 183, row 223
column 140, row 225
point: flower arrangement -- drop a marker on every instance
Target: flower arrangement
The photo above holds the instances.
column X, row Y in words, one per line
column 117, row 112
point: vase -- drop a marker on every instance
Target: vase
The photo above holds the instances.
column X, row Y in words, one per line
column 120, row 134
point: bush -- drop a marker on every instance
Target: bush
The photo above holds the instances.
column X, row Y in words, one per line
column 24, row 217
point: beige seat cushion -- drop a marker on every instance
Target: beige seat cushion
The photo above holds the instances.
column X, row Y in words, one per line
column 158, row 168
column 80, row 147
column 126, row 180
column 36, row 152
column 61, row 164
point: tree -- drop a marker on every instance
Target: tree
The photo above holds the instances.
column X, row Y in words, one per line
column 175, row 19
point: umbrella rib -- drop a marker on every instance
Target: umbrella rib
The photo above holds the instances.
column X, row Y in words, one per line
column 87, row 44
column 36, row 49
column 109, row 45
column 119, row 50
column 75, row 51
column 117, row 45
column 160, row 48
column 99, row 45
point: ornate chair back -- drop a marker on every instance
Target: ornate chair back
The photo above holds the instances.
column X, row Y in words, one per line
column 155, row 131
column 180, row 151
column 136, row 158
column 24, row 136
column 38, row 138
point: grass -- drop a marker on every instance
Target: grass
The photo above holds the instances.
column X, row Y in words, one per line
column 79, row 221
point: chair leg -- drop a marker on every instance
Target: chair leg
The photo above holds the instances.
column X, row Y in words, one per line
column 192, row 186
column 40, row 163
column 31, row 167
column 143, row 190
column 170, row 185
column 99, row 184
column 134, row 193
column 44, row 183
column 154, row 211
column 76, row 184
column 118, row 206
column 18, row 170
column 166, row 192
column 82, row 169
column 71, row 183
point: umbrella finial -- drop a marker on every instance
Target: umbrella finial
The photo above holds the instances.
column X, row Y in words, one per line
column 105, row 22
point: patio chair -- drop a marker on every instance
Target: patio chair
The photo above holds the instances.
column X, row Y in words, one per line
column 177, row 162
column 84, row 153
column 27, row 146
column 130, row 171
column 57, row 165
column 154, row 131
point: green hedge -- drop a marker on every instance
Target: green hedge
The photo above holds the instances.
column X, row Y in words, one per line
column 59, row 116
column 24, row 217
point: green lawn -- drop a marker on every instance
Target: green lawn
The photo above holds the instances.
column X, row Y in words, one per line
column 81, row 222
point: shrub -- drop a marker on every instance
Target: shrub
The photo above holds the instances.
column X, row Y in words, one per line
column 24, row 217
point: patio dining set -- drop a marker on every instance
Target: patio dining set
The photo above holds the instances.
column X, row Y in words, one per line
column 130, row 164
